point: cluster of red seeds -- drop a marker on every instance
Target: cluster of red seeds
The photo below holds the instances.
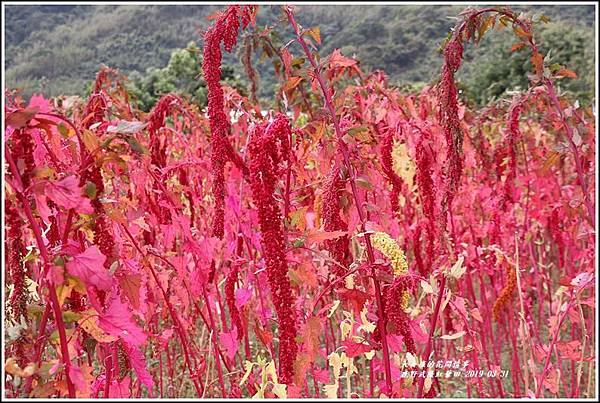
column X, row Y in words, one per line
column 425, row 162
column 395, row 311
column 156, row 121
column 229, row 289
column 15, row 267
column 22, row 149
column 268, row 145
column 514, row 134
column 224, row 30
column 507, row 291
column 332, row 221
column 448, row 95
column 386, row 163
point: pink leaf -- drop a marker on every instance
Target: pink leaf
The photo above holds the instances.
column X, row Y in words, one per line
column 117, row 321
column 67, row 194
column 82, row 387
column 165, row 336
column 139, row 365
column 89, row 267
column 551, row 382
column 321, row 375
column 242, row 295
column 120, row 389
column 39, row 101
column 353, row 349
column 418, row 334
column 230, row 342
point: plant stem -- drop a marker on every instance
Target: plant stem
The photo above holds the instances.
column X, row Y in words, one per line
column 343, row 147
column 55, row 304
column 174, row 317
column 429, row 346
column 551, row 347
column 214, row 342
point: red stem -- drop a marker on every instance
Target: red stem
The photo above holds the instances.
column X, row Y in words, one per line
column 215, row 346
column 357, row 200
column 55, row 304
column 174, row 317
column 551, row 348
column 436, row 312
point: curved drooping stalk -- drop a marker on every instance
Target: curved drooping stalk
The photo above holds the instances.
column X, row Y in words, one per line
column 269, row 144
column 224, row 30
column 343, row 147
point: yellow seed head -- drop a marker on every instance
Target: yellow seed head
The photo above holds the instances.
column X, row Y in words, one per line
column 405, row 300
column 386, row 245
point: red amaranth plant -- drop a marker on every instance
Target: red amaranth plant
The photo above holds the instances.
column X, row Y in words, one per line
column 555, row 231
column 156, row 121
column 513, row 136
column 22, row 147
column 448, row 94
column 330, row 215
column 427, row 192
column 121, row 288
column 268, row 144
column 229, row 289
column 507, row 292
column 388, row 169
column 394, row 309
column 17, row 270
column 225, row 29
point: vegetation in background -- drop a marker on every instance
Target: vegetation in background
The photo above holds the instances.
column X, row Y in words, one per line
column 57, row 49
column 182, row 75
column 351, row 240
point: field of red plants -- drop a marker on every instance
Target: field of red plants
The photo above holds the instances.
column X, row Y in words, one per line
column 346, row 240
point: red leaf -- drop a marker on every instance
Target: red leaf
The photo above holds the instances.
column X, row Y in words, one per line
column 564, row 72
column 138, row 363
column 120, row 389
column 551, row 382
column 292, row 83
column 319, row 236
column 516, row 46
column 89, row 267
column 417, row 333
column 229, row 340
column 353, row 349
column 21, row 117
column 537, row 60
column 130, row 284
column 354, row 296
column 338, row 60
column 321, row 375
column 82, row 386
column 242, row 295
column 67, row 194
column 117, row 321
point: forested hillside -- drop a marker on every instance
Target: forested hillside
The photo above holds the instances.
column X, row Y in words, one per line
column 57, row 49
column 393, row 202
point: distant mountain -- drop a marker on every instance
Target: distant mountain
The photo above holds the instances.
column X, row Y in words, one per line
column 58, row 48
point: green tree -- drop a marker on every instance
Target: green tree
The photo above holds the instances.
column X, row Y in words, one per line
column 182, row 75
column 490, row 71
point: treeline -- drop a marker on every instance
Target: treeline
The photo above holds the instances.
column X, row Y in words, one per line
column 57, row 49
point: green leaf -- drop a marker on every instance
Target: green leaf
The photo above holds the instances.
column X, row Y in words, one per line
column 70, row 316
column 298, row 242
column 90, row 190
column 135, row 145
column 364, row 183
column 63, row 130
